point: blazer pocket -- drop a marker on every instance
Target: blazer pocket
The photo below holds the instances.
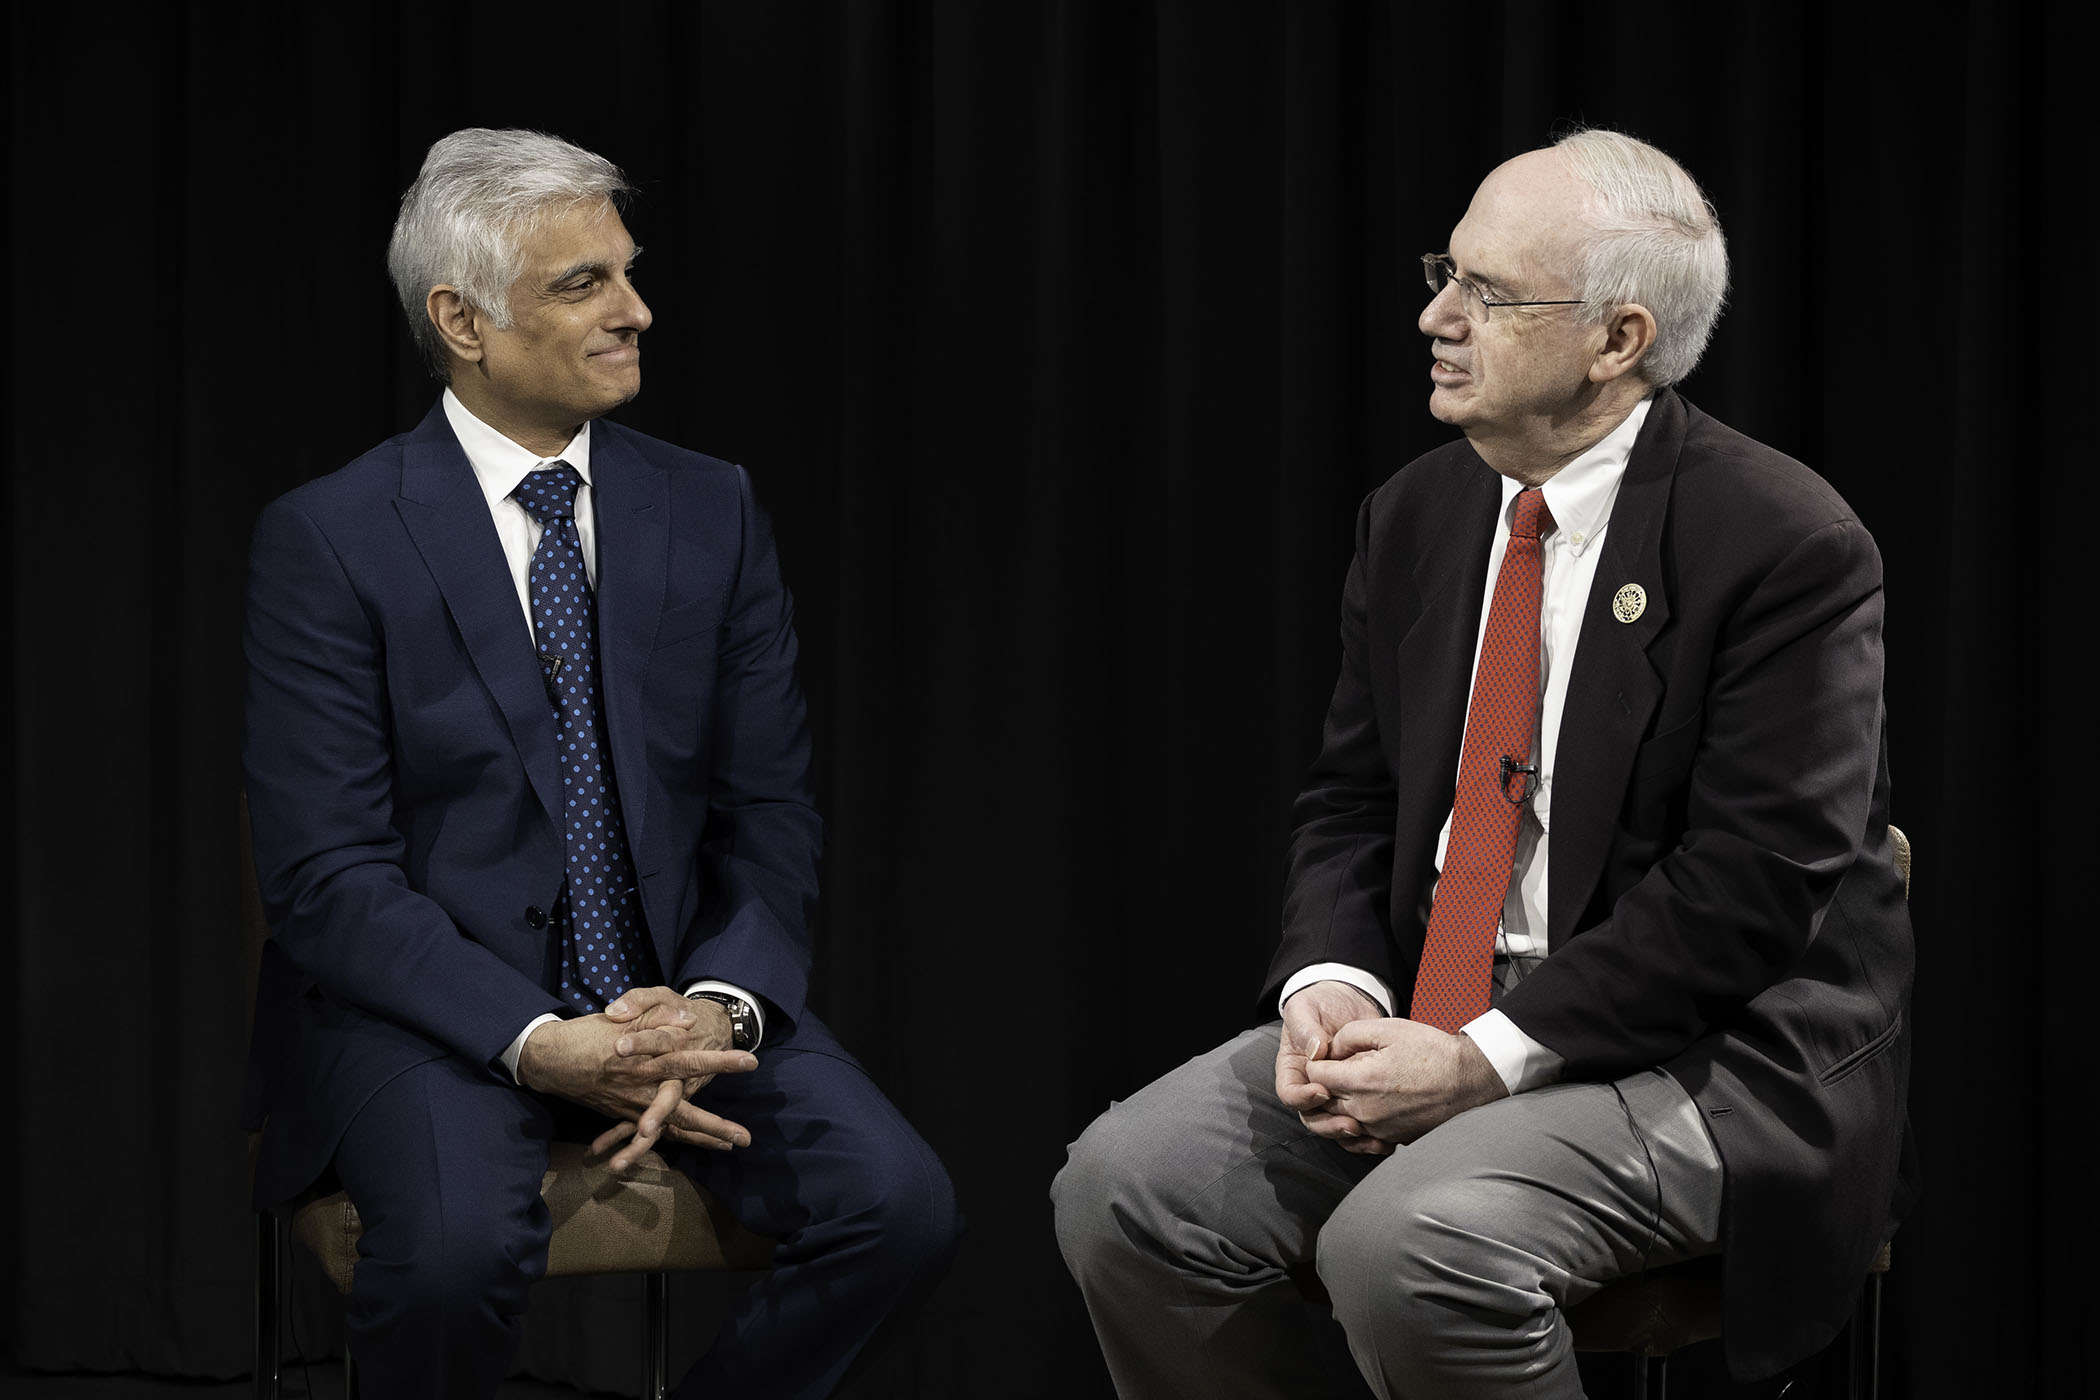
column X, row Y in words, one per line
column 1672, row 745
column 1840, row 1068
column 689, row 620
column 1657, row 786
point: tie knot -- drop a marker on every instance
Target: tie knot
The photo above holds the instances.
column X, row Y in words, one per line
column 1532, row 518
column 548, row 493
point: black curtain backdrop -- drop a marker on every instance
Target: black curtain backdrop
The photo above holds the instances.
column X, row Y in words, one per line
column 1062, row 340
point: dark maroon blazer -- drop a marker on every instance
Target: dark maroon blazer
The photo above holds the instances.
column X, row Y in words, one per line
column 1723, row 899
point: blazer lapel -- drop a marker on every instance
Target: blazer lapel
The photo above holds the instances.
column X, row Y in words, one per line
column 442, row 507
column 631, row 500
column 1614, row 689
column 1436, row 652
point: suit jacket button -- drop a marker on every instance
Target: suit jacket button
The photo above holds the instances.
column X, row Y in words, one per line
column 535, row 916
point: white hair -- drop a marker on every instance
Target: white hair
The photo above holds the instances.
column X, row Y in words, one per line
column 464, row 221
column 1654, row 240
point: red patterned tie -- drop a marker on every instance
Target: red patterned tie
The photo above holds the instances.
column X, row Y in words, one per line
column 1496, row 778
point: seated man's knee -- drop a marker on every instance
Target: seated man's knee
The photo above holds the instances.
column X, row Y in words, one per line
column 1089, row 1181
column 934, row 1222
column 468, row 1240
column 907, row 1201
column 1387, row 1254
column 1110, row 1178
column 452, row 1267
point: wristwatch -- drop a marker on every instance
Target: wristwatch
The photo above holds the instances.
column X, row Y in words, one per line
column 743, row 1020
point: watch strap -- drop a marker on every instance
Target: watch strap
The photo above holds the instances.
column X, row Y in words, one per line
column 743, row 1020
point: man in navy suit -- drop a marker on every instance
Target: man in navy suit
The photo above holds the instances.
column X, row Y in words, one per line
column 1694, row 960
column 523, row 887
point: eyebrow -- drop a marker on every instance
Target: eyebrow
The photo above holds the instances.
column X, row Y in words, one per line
column 596, row 267
column 1487, row 282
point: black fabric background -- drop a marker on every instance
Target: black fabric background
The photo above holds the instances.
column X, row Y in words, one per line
column 1062, row 340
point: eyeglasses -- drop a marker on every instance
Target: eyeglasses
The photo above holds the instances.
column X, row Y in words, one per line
column 1439, row 273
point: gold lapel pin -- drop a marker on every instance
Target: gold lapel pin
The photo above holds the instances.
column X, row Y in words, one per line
column 1629, row 603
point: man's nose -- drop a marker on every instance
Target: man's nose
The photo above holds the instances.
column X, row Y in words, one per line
column 1444, row 318
column 632, row 313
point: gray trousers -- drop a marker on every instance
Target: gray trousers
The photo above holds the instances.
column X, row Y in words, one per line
column 1194, row 1216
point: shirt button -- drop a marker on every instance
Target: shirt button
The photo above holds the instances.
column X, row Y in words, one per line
column 535, row 916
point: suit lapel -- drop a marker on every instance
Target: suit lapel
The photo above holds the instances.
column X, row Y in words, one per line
column 1614, row 689
column 631, row 500
column 442, row 507
column 1436, row 652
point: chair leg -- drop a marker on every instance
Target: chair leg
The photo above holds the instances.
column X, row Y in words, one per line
column 656, row 1309
column 268, row 1306
column 1852, row 1345
column 349, row 1372
column 1646, row 1368
column 1863, row 1343
column 1866, row 1337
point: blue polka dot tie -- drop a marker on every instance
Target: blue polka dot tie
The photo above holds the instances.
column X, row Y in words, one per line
column 604, row 947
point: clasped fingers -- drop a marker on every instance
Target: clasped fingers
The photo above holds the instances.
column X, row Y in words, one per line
column 657, row 1040
column 1338, row 1127
column 697, row 1064
column 689, row 1123
column 1345, row 1132
column 641, row 1134
column 668, row 1116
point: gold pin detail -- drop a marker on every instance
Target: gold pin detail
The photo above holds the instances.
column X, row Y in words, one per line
column 1629, row 603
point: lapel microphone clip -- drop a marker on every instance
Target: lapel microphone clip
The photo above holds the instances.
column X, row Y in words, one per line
column 1527, row 776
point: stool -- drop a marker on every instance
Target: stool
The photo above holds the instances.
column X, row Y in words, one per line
column 650, row 1221
column 1654, row 1314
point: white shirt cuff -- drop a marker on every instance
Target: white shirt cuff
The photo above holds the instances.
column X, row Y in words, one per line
column 1522, row 1062
column 517, row 1047
column 1367, row 983
column 758, row 1008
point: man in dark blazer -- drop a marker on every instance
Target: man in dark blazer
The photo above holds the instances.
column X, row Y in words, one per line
column 528, row 771
column 1701, row 960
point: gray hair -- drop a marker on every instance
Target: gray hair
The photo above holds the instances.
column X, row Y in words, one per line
column 1655, row 240
column 464, row 221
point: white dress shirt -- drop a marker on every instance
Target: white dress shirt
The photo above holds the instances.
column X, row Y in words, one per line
column 499, row 465
column 1580, row 497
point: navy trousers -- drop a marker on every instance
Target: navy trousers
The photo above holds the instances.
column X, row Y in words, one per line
column 445, row 1164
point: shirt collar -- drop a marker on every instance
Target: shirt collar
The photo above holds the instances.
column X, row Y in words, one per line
column 1582, row 493
column 500, row 464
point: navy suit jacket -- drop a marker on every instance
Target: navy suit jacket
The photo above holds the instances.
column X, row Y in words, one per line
column 1723, row 899
column 402, row 782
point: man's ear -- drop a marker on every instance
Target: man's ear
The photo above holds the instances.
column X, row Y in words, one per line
column 458, row 323
column 1627, row 337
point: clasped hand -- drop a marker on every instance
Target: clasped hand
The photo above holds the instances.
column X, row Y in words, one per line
column 639, row 1062
column 1369, row 1081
